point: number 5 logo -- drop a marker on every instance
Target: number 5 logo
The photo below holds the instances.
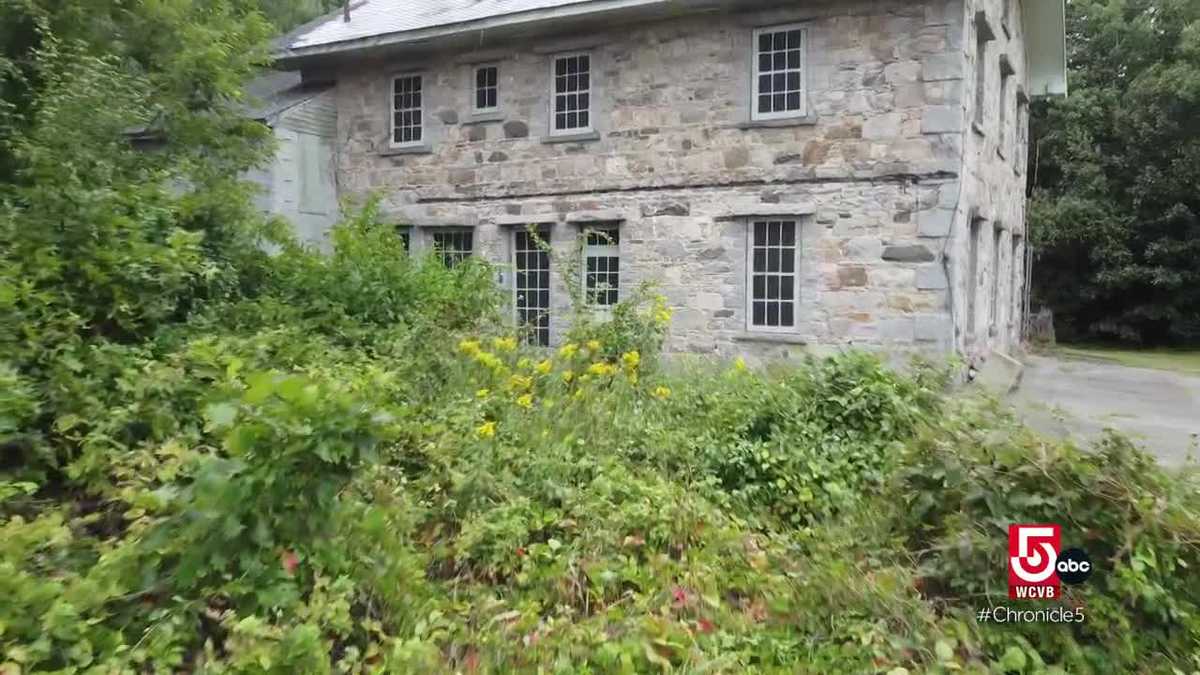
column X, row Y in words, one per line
column 1035, row 545
column 1032, row 554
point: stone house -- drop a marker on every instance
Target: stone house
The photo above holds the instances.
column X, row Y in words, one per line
column 792, row 175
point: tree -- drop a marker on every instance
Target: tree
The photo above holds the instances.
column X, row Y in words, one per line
column 1115, row 208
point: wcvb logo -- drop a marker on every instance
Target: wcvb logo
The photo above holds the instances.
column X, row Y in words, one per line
column 1032, row 557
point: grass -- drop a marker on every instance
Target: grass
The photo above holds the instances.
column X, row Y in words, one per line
column 1176, row 360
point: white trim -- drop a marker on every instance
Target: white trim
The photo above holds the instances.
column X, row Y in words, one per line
column 538, row 230
column 424, row 140
column 590, row 94
column 755, row 115
column 608, row 250
column 474, row 88
column 797, row 245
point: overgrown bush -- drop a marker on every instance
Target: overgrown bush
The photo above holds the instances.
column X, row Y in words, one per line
column 213, row 459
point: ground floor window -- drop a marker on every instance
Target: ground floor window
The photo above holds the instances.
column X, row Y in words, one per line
column 454, row 246
column 531, row 287
column 602, row 266
column 772, row 292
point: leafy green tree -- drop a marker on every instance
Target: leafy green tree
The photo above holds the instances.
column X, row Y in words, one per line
column 1115, row 209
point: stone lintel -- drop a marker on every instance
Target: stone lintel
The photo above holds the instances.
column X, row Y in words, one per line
column 522, row 221
column 744, row 210
column 596, row 216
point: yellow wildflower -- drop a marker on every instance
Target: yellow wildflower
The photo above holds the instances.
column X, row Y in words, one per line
column 662, row 392
column 568, row 350
column 504, row 344
column 662, row 313
column 601, row 369
column 578, row 394
column 520, row 383
column 593, row 346
column 525, row 401
column 739, row 364
column 524, row 363
column 483, row 393
column 488, row 359
column 568, row 375
column 486, row 430
column 633, row 378
column 631, row 359
column 468, row 347
column 544, row 367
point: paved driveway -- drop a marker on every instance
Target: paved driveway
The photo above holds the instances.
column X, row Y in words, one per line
column 1159, row 409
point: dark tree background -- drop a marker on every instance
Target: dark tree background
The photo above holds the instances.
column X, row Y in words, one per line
column 1115, row 172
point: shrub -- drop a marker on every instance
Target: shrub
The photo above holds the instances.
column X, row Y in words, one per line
column 966, row 480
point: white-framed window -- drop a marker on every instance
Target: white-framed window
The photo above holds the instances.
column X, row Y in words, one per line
column 405, row 234
column 994, row 307
column 779, row 83
column 454, row 246
column 602, row 266
column 407, row 110
column 531, row 284
column 772, row 274
column 571, row 102
column 983, row 35
column 486, row 82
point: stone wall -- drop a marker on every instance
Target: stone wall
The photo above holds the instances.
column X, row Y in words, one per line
column 993, row 186
column 874, row 175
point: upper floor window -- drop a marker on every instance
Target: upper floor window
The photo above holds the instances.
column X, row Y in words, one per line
column 572, row 106
column 778, row 73
column 406, row 110
column 602, row 266
column 773, row 292
column 487, row 89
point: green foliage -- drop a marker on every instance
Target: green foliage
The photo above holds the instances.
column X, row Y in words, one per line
column 963, row 485
column 223, row 452
column 1115, row 213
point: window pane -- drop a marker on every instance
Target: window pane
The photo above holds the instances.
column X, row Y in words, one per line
column 772, row 313
column 793, row 39
column 787, row 314
column 780, row 40
column 760, row 313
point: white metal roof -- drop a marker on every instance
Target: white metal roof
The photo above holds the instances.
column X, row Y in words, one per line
column 381, row 17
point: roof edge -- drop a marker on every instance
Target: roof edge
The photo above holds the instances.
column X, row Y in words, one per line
column 287, row 56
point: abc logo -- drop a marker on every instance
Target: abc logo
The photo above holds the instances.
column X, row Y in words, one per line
column 1073, row 566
